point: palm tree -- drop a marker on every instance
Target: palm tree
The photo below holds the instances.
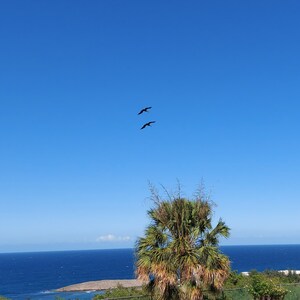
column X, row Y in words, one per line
column 179, row 254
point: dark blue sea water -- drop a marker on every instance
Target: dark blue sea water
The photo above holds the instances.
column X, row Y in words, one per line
column 35, row 275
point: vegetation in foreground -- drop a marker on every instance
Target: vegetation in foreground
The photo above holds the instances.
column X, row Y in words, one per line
column 268, row 285
column 122, row 292
column 179, row 254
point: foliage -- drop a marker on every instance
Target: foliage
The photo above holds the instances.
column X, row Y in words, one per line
column 120, row 291
column 290, row 277
column 265, row 289
column 236, row 280
column 179, row 254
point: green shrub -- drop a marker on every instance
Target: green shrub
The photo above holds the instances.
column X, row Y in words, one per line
column 236, row 280
column 263, row 288
column 120, row 291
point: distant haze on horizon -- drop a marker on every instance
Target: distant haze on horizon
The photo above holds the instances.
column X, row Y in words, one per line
column 222, row 79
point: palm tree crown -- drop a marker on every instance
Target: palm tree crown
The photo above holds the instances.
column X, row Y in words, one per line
column 179, row 254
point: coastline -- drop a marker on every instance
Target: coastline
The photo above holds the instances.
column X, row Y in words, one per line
column 100, row 285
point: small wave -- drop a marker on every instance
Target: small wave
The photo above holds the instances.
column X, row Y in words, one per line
column 92, row 291
column 46, row 292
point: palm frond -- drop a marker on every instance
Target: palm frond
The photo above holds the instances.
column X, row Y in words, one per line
column 179, row 250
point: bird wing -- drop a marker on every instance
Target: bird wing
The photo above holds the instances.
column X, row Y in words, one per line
column 144, row 109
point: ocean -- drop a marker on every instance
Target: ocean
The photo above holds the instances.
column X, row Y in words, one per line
column 35, row 275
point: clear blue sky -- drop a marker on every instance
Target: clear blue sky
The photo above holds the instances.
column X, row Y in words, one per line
column 223, row 78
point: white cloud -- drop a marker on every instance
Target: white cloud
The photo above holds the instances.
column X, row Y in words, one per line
column 112, row 238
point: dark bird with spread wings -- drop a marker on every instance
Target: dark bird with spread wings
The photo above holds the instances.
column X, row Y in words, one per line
column 144, row 110
column 147, row 124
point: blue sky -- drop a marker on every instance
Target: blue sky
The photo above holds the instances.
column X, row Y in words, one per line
column 223, row 80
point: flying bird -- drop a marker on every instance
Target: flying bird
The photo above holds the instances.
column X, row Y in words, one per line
column 144, row 110
column 147, row 124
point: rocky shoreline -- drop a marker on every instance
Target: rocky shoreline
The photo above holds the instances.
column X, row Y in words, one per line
column 100, row 285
